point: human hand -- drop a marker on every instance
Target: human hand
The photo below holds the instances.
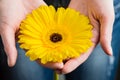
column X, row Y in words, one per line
column 12, row 12
column 101, row 15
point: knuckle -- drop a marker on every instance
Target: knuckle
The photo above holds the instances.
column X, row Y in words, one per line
column 66, row 70
column 108, row 17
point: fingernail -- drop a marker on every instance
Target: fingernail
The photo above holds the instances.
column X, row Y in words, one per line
column 8, row 61
column 10, row 64
column 111, row 52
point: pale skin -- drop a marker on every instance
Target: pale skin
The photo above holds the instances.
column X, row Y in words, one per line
column 100, row 13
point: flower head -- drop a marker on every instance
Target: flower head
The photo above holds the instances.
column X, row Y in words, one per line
column 54, row 36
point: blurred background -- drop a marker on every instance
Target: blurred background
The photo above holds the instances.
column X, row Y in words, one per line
column 56, row 3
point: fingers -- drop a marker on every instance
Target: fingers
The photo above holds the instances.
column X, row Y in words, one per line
column 72, row 64
column 106, row 33
column 51, row 65
column 8, row 38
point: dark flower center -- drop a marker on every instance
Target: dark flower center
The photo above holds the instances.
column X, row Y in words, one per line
column 55, row 37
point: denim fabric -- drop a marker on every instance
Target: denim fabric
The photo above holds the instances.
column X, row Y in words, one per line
column 24, row 68
column 98, row 66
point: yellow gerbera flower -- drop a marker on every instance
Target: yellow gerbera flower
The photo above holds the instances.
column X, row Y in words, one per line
column 54, row 36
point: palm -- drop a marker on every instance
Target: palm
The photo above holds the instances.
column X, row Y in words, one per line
column 16, row 11
column 12, row 13
column 102, row 23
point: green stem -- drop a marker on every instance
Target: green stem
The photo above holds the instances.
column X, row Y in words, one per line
column 56, row 76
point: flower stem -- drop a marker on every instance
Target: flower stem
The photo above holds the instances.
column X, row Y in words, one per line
column 56, row 76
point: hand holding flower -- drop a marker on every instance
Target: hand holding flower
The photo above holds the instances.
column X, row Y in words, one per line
column 11, row 14
column 101, row 15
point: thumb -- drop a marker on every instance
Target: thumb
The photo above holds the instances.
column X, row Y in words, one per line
column 72, row 64
column 106, row 34
column 8, row 39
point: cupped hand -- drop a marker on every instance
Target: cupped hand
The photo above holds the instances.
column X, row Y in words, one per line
column 12, row 12
column 101, row 15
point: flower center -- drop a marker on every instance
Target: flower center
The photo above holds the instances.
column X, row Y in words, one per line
column 55, row 37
